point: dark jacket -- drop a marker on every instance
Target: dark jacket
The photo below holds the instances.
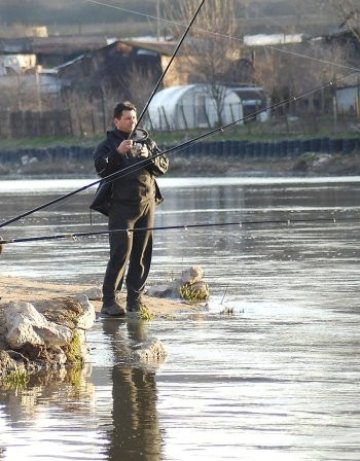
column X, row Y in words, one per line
column 136, row 182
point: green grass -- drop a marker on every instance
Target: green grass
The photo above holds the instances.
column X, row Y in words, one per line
column 145, row 314
column 15, row 380
column 74, row 351
column 47, row 141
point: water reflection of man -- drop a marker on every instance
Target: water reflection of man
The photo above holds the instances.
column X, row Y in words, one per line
column 135, row 433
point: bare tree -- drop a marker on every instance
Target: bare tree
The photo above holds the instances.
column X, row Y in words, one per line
column 108, row 99
column 347, row 12
column 300, row 75
column 141, row 82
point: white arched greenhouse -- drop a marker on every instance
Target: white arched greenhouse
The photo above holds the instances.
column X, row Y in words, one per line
column 193, row 106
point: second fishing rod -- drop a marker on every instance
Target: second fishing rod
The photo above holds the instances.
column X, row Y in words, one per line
column 141, row 164
column 240, row 224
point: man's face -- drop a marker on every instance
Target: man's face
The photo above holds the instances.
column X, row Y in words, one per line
column 127, row 121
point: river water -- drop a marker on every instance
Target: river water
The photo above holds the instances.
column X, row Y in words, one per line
column 270, row 369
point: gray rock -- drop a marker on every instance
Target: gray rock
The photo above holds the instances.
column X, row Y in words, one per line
column 86, row 320
column 164, row 291
column 25, row 325
column 189, row 287
column 192, row 275
column 94, row 294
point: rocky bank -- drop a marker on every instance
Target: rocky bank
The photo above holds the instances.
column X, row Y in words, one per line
column 43, row 325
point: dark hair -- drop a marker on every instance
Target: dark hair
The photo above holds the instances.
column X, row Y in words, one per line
column 121, row 106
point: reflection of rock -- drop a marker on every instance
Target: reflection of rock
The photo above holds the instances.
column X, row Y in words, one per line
column 189, row 286
column 136, row 348
column 50, row 336
column 150, row 351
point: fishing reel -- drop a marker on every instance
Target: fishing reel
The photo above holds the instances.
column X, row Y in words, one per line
column 139, row 135
column 138, row 138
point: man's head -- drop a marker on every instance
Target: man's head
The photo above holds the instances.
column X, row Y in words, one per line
column 125, row 116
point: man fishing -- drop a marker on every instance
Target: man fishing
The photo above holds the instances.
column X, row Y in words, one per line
column 132, row 206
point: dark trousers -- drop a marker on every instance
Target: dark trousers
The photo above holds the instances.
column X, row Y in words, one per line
column 130, row 252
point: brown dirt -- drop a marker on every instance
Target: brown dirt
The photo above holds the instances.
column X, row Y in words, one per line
column 35, row 292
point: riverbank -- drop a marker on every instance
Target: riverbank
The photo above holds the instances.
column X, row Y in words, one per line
column 36, row 292
column 309, row 164
column 43, row 325
column 315, row 156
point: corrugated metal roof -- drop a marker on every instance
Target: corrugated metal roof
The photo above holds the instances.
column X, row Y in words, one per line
column 71, row 44
column 53, row 45
column 272, row 39
column 165, row 47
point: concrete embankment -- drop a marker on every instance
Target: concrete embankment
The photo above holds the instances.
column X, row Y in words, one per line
column 319, row 155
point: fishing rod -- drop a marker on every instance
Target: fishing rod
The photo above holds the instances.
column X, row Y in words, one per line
column 74, row 235
column 183, row 146
column 98, row 181
column 133, row 168
column 161, row 78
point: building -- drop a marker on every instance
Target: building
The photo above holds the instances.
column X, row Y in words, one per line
column 254, row 102
column 193, row 106
column 348, row 99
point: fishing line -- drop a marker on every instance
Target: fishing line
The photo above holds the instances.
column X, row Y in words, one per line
column 289, row 52
column 232, row 37
column 134, row 168
column 311, row 58
column 74, row 235
column 283, row 51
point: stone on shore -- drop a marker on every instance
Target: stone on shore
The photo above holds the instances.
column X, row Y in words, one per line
column 25, row 325
column 43, row 325
column 190, row 286
column 49, row 336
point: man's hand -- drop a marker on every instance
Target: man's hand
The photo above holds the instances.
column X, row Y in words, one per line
column 139, row 150
column 144, row 152
column 125, row 146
